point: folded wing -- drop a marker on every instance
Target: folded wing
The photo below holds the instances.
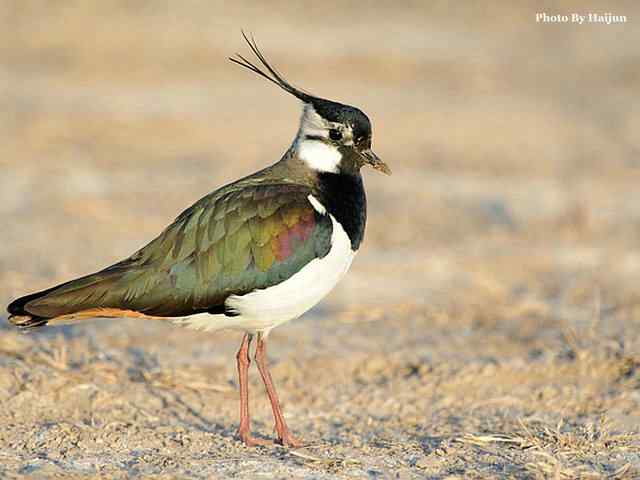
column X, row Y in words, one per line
column 234, row 241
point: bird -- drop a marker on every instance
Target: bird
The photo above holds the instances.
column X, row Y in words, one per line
column 249, row 256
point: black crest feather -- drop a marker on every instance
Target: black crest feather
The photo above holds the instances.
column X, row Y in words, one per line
column 273, row 75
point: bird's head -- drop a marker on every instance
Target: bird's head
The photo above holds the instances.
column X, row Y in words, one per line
column 333, row 137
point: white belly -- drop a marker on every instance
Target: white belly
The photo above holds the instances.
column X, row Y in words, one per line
column 261, row 310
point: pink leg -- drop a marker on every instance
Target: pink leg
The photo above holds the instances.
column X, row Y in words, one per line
column 284, row 434
column 244, row 431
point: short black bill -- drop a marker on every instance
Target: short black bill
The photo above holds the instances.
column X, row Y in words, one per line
column 376, row 162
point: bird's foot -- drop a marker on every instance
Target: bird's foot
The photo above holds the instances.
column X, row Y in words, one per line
column 251, row 441
column 286, row 439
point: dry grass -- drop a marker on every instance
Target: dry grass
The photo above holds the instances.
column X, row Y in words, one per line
column 488, row 329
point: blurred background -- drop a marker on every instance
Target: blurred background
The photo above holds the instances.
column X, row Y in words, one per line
column 499, row 275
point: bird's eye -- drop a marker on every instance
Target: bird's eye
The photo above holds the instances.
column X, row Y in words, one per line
column 335, row 135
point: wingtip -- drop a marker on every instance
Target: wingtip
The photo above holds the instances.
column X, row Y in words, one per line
column 16, row 308
column 20, row 317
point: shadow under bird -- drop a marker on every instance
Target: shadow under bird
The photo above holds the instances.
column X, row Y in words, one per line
column 250, row 256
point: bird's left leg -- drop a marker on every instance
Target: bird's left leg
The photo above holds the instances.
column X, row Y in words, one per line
column 284, row 434
column 244, row 431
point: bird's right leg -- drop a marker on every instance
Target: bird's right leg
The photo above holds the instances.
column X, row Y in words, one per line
column 244, row 431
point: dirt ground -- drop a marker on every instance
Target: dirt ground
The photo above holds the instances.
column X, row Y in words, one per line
column 490, row 326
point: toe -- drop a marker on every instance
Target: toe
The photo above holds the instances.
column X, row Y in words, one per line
column 290, row 441
column 251, row 441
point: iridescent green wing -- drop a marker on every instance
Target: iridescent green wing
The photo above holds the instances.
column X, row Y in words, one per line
column 238, row 239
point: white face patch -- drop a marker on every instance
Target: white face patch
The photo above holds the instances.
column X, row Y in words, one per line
column 311, row 143
column 319, row 155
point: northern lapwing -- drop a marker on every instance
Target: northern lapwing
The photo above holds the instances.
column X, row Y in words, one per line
column 250, row 256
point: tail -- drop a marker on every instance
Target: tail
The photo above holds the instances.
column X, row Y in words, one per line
column 90, row 296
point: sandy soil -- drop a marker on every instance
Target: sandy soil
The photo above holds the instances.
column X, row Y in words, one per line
column 489, row 327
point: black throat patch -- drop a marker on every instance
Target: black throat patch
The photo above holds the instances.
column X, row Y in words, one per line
column 343, row 196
